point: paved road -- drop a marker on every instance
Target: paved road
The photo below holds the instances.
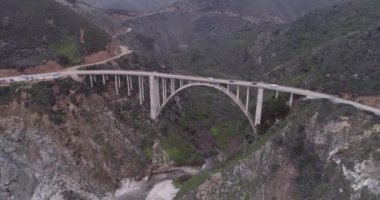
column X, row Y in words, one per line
column 309, row 94
column 31, row 78
column 122, row 33
column 124, row 51
column 147, row 14
column 54, row 75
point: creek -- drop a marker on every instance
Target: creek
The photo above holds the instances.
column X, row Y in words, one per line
column 159, row 186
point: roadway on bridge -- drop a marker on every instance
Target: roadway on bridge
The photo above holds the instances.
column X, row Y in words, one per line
column 285, row 89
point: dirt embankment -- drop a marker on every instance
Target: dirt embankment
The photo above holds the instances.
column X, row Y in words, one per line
column 48, row 66
column 53, row 66
column 373, row 101
column 111, row 51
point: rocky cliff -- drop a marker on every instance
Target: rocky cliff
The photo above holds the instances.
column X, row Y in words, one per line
column 321, row 151
column 66, row 141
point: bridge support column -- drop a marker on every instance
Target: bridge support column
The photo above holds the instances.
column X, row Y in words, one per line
column 131, row 83
column 154, row 96
column 165, row 90
column 291, row 100
column 162, row 90
column 104, row 80
column 259, row 106
column 142, row 88
column 238, row 93
column 247, row 101
column 140, row 91
column 277, row 94
column 128, row 86
column 172, row 86
column 92, row 84
column 116, row 85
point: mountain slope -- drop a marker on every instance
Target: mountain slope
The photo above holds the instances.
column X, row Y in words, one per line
column 34, row 31
column 66, row 140
column 192, row 29
column 324, row 50
column 140, row 5
column 321, row 151
column 96, row 16
column 334, row 50
column 262, row 10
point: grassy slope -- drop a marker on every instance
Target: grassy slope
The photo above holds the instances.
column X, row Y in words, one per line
column 333, row 50
column 327, row 49
column 33, row 31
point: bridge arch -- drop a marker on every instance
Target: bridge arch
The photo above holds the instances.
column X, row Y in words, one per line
column 217, row 87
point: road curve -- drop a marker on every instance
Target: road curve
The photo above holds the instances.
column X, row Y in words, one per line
column 124, row 51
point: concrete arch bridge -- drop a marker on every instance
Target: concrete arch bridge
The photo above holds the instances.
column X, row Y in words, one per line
column 163, row 87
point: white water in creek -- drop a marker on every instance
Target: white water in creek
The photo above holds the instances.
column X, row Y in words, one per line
column 158, row 187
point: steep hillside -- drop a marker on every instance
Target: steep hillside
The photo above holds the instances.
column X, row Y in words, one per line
column 63, row 140
column 335, row 51
column 140, row 5
column 35, row 31
column 325, row 50
column 96, row 16
column 66, row 140
column 183, row 39
column 321, row 151
column 260, row 10
column 199, row 35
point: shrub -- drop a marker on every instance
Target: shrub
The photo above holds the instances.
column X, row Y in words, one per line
column 57, row 117
column 42, row 95
column 192, row 183
column 68, row 51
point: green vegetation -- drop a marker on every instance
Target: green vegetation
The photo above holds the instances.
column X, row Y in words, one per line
column 200, row 111
column 180, row 149
column 223, row 132
column 273, row 111
column 206, row 124
column 7, row 94
column 57, row 117
column 148, row 151
column 297, row 80
column 328, row 50
column 35, row 31
column 135, row 61
column 68, row 51
column 191, row 184
column 271, row 134
column 42, row 96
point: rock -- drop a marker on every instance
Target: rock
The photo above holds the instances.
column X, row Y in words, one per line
column 324, row 155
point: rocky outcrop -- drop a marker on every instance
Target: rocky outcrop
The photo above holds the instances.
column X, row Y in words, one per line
column 68, row 142
column 322, row 151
